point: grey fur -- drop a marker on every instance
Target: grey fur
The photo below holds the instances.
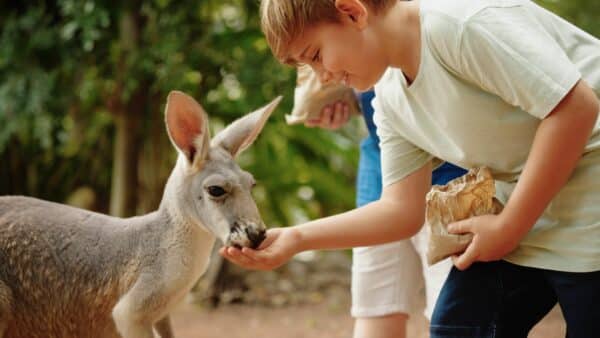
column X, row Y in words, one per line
column 71, row 273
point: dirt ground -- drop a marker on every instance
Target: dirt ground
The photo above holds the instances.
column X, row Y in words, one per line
column 305, row 299
column 322, row 320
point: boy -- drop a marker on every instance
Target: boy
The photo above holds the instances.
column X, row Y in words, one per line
column 497, row 83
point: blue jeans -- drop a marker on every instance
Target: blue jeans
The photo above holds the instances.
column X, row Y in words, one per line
column 504, row 300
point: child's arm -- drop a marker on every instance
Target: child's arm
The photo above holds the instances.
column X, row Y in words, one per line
column 397, row 215
column 557, row 146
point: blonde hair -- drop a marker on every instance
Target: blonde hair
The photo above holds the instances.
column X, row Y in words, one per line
column 283, row 21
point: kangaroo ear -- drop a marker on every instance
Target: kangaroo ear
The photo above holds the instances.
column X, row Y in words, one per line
column 240, row 134
column 187, row 125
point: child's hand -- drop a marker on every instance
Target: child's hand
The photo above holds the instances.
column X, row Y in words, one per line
column 277, row 248
column 333, row 116
column 492, row 240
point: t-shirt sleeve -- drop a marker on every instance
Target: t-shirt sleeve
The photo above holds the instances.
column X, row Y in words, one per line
column 399, row 157
column 505, row 51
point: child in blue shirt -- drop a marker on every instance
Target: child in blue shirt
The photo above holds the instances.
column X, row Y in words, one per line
column 384, row 292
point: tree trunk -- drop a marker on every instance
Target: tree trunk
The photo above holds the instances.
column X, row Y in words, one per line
column 126, row 114
column 156, row 159
column 124, row 173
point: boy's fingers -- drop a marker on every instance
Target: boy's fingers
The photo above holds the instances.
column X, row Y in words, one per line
column 326, row 117
column 237, row 257
column 252, row 255
column 467, row 258
column 338, row 120
column 268, row 259
column 251, row 259
column 261, row 256
column 233, row 253
column 460, row 227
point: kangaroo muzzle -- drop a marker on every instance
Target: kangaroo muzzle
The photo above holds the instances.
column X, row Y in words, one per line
column 256, row 237
column 246, row 235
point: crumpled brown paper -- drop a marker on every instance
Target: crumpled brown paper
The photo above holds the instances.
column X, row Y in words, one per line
column 310, row 96
column 464, row 197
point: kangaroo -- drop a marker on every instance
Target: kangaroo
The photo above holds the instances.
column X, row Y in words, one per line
column 71, row 273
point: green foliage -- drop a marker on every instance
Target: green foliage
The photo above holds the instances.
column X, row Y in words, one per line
column 584, row 13
column 69, row 68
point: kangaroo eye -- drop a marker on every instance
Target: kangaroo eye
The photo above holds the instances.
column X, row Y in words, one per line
column 216, row 191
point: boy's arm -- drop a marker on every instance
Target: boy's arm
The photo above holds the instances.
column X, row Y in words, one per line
column 399, row 214
column 557, row 146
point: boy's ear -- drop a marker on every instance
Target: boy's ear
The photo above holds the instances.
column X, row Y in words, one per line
column 355, row 10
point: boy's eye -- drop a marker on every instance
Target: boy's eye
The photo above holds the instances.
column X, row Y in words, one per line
column 316, row 57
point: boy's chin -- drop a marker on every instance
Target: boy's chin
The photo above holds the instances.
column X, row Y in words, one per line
column 362, row 84
column 357, row 86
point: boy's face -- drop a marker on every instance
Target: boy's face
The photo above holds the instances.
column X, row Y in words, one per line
column 341, row 52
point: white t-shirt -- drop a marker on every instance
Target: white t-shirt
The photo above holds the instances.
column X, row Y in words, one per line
column 490, row 70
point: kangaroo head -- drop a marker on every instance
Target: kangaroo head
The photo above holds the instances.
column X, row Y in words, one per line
column 207, row 187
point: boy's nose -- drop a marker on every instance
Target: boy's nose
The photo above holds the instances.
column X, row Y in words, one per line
column 325, row 77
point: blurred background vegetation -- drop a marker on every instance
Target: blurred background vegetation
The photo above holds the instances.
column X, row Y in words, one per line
column 82, row 91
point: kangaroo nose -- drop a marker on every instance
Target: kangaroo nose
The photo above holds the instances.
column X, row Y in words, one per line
column 256, row 237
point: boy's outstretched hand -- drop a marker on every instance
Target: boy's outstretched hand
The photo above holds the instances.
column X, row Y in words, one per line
column 492, row 239
column 279, row 246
